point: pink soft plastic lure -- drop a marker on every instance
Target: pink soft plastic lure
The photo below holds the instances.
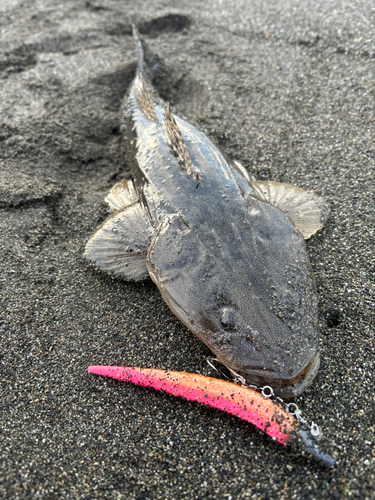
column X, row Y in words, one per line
column 242, row 402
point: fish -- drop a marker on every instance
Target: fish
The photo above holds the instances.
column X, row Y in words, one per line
column 243, row 402
column 226, row 251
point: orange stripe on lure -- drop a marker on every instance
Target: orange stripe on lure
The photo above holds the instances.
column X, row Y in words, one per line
column 242, row 402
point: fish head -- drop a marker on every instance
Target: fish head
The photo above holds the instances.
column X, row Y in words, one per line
column 268, row 354
column 253, row 304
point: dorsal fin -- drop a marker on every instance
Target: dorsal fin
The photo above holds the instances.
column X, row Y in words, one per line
column 177, row 146
column 143, row 97
column 140, row 90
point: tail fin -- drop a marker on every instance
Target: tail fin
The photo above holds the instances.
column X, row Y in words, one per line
column 139, row 49
column 149, row 63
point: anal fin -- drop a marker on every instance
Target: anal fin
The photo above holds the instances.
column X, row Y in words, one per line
column 308, row 211
column 120, row 244
column 122, row 195
column 242, row 170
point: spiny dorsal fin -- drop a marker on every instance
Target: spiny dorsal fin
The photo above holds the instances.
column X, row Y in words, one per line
column 177, row 146
column 143, row 98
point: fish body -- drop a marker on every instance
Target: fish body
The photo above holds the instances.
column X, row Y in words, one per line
column 227, row 252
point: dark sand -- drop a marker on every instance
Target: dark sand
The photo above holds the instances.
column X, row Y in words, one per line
column 285, row 87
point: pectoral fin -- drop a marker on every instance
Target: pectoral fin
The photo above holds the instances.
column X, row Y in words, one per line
column 120, row 244
column 308, row 211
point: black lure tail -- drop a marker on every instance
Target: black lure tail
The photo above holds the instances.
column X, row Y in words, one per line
column 320, row 448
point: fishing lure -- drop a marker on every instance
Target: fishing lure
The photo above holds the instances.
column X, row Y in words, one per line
column 231, row 398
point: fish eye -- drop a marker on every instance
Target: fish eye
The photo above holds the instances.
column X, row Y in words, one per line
column 230, row 318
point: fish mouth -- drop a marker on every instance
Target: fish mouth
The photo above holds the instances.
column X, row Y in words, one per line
column 297, row 385
column 285, row 388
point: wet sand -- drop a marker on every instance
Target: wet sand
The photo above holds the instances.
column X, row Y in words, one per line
column 286, row 89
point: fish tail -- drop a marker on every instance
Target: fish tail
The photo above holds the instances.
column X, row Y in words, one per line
column 139, row 49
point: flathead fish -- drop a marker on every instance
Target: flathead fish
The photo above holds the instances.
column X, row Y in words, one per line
column 226, row 251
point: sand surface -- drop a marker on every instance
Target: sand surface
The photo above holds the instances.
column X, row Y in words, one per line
column 287, row 88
